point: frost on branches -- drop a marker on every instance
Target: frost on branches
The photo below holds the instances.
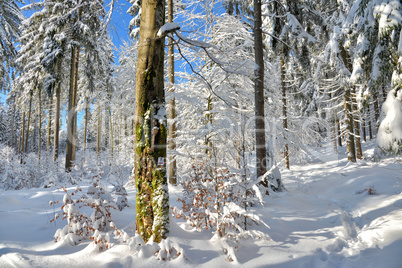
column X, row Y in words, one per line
column 389, row 137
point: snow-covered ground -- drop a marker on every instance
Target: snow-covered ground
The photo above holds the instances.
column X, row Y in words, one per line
column 326, row 218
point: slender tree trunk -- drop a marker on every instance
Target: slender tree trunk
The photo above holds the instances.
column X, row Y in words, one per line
column 284, row 112
column 111, row 133
column 335, row 134
column 172, row 104
column 29, row 121
column 72, row 110
column 86, row 125
column 40, row 124
column 370, row 130
column 57, row 116
column 376, row 112
column 49, row 124
column 259, row 92
column 339, row 132
column 359, row 152
column 150, row 155
column 364, row 128
column 13, row 126
column 22, row 134
column 350, row 139
column 98, row 131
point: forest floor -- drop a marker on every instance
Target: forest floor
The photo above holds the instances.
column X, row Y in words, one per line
column 333, row 214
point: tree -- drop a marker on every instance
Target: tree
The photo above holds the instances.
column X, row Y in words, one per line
column 172, row 103
column 259, row 92
column 150, row 150
column 10, row 20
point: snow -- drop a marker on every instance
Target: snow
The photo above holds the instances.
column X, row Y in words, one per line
column 167, row 28
column 389, row 137
column 326, row 218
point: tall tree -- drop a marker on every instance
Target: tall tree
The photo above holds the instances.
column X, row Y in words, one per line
column 172, row 103
column 10, row 20
column 150, row 152
column 259, row 92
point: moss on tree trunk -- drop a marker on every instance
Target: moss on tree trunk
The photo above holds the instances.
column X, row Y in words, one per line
column 152, row 201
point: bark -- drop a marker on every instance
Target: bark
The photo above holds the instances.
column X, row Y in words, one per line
column 370, row 130
column 364, row 129
column 49, row 125
column 72, row 111
column 152, row 201
column 339, row 132
column 29, row 122
column 57, row 117
column 284, row 113
column 22, row 135
column 98, row 131
column 259, row 92
column 172, row 104
column 350, row 139
column 359, row 152
column 376, row 112
column 86, row 125
column 40, row 125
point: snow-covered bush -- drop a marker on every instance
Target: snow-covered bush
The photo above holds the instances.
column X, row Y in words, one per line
column 218, row 199
column 80, row 226
column 389, row 137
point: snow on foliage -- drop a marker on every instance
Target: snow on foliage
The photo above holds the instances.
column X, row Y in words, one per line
column 389, row 137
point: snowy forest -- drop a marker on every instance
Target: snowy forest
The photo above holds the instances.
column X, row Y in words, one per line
column 220, row 133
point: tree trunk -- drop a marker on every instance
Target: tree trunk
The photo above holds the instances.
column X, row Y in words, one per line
column 72, row 110
column 364, row 129
column 284, row 113
column 150, row 133
column 40, row 124
column 172, row 104
column 370, row 130
column 376, row 112
column 339, row 132
column 22, row 135
column 49, row 124
column 29, row 122
column 259, row 92
column 99, row 130
column 350, row 139
column 85, row 126
column 13, row 125
column 359, row 152
column 57, row 116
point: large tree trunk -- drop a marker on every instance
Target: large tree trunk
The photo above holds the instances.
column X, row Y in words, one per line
column 57, row 117
column 259, row 92
column 72, row 110
column 284, row 113
column 150, row 132
column 172, row 104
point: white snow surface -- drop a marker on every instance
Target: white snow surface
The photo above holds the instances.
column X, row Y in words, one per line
column 325, row 219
